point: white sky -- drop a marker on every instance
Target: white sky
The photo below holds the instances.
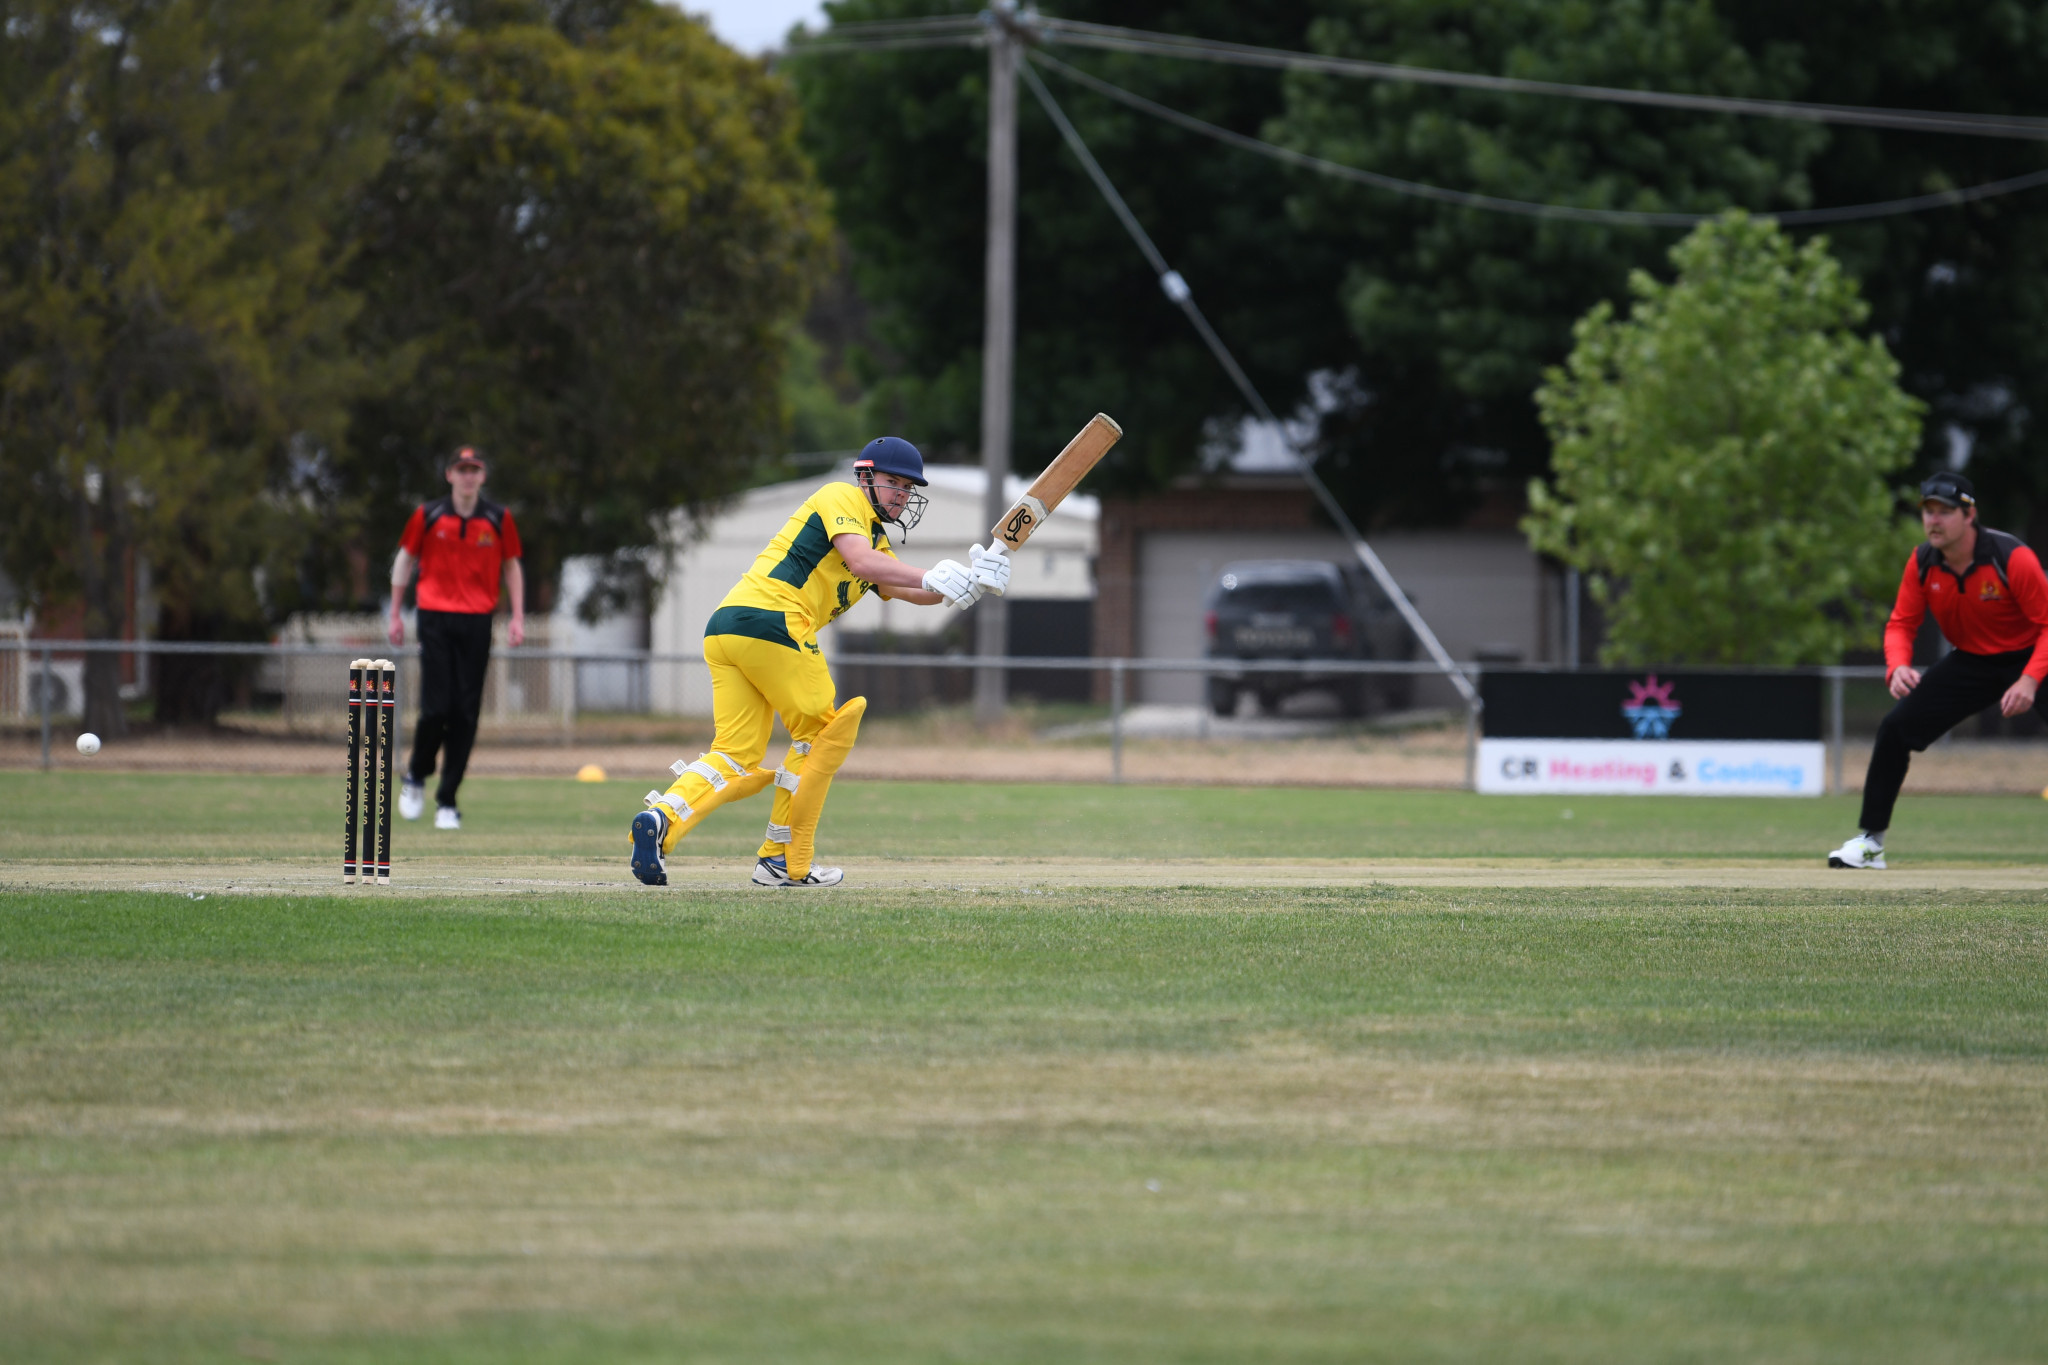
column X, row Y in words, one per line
column 753, row 25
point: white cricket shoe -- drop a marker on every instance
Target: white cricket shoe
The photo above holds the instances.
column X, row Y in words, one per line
column 775, row 872
column 447, row 817
column 1861, row 851
column 412, row 797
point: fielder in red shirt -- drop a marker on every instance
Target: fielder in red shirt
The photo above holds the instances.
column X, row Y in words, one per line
column 1990, row 599
column 462, row 544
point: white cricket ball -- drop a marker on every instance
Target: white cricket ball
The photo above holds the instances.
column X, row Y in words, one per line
column 88, row 743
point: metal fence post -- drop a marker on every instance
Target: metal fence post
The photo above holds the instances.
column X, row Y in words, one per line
column 1472, row 745
column 1116, row 720
column 46, row 708
column 1835, row 725
column 565, row 689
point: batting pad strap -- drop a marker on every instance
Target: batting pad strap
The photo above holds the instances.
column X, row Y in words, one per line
column 708, row 773
column 678, row 808
column 800, row 747
column 737, row 770
column 787, row 780
column 777, row 834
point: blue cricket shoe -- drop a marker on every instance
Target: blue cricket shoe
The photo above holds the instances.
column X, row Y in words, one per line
column 649, row 826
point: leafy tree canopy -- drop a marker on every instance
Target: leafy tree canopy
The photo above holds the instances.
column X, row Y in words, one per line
column 1442, row 317
column 1722, row 457
column 1960, row 294
column 901, row 139
column 1454, row 312
column 172, row 328
column 587, row 250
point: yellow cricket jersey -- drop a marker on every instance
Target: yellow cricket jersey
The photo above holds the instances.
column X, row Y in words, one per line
column 800, row 572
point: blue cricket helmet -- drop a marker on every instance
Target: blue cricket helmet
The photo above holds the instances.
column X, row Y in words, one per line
column 892, row 455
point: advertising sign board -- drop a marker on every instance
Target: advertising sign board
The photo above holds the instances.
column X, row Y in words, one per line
column 1651, row 733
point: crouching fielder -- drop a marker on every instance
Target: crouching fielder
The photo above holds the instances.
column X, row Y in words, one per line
column 1988, row 595
column 762, row 648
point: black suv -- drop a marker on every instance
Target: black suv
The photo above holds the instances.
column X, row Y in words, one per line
column 1304, row 609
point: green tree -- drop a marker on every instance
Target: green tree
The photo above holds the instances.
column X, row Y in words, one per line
column 172, row 351
column 1960, row 293
column 1721, row 457
column 1455, row 312
column 588, row 249
column 901, row 139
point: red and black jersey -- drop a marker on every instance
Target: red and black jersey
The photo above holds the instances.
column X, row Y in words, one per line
column 1997, row 605
column 461, row 558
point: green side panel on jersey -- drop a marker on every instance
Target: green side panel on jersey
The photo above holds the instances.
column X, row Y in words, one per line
column 756, row 623
column 810, row 546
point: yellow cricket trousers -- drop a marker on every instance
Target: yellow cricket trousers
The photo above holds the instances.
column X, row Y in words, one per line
column 770, row 670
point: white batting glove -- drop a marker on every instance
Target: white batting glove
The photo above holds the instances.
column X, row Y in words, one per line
column 950, row 580
column 991, row 568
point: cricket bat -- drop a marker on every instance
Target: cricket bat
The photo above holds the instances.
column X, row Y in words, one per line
column 1068, row 468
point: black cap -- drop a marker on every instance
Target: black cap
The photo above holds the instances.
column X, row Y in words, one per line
column 467, row 455
column 1950, row 488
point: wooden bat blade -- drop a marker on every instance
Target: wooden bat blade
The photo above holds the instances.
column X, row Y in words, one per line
column 1068, row 468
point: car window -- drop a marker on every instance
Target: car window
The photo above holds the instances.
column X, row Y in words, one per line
column 1279, row 596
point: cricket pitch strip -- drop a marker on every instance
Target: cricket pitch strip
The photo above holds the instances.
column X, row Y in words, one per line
column 485, row 876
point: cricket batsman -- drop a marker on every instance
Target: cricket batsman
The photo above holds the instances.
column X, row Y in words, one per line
column 762, row 647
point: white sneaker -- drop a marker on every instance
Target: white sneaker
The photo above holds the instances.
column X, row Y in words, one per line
column 775, row 872
column 447, row 817
column 1861, row 851
column 412, row 797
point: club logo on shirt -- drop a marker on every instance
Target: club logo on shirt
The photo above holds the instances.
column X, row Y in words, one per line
column 1987, row 591
column 484, row 537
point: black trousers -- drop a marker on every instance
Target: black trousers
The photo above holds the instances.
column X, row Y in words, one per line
column 455, row 648
column 1949, row 693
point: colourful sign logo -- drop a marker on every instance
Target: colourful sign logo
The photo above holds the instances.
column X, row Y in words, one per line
column 1650, row 708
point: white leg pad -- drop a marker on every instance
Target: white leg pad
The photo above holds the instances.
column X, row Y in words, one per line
column 777, row 834
column 787, row 780
column 800, row 746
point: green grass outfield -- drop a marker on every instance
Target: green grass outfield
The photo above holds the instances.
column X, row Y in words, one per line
column 1073, row 1123
column 92, row 815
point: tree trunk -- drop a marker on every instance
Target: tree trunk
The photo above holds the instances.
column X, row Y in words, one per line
column 191, row 689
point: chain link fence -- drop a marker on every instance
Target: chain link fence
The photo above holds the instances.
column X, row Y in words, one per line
column 539, row 695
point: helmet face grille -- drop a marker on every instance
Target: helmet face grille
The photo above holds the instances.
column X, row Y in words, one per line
column 913, row 511
column 914, row 503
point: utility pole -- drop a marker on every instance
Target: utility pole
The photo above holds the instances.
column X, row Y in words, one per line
column 999, row 334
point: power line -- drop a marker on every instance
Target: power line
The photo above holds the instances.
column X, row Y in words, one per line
column 970, row 30
column 1114, row 39
column 1176, row 289
column 1527, row 208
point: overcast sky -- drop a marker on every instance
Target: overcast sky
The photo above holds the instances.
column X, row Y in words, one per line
column 751, row 25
